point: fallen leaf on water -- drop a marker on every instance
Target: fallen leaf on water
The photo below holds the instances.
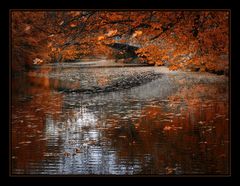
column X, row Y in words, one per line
column 101, row 128
column 122, row 136
column 170, row 113
column 166, row 120
column 25, row 142
column 77, row 150
column 166, row 128
column 178, row 128
column 169, row 170
column 30, row 136
column 46, row 154
column 209, row 130
column 219, row 116
column 37, row 110
column 66, row 154
column 42, row 139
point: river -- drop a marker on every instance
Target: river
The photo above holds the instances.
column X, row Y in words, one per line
column 159, row 128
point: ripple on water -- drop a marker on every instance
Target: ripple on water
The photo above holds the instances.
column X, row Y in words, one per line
column 156, row 128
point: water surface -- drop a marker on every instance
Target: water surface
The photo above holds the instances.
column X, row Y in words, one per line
column 158, row 128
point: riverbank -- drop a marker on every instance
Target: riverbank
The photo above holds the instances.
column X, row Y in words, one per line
column 109, row 63
column 97, row 80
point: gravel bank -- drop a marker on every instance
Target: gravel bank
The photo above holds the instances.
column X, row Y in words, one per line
column 96, row 80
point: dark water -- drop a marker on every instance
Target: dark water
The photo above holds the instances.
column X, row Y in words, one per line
column 155, row 129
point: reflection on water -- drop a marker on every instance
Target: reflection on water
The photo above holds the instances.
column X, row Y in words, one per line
column 149, row 129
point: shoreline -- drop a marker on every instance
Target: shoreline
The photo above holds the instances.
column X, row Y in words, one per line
column 101, row 80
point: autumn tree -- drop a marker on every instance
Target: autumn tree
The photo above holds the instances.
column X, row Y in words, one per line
column 51, row 36
column 196, row 40
column 27, row 42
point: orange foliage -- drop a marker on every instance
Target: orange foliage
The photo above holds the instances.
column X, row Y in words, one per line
column 150, row 54
column 173, row 67
column 196, row 40
column 70, row 54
